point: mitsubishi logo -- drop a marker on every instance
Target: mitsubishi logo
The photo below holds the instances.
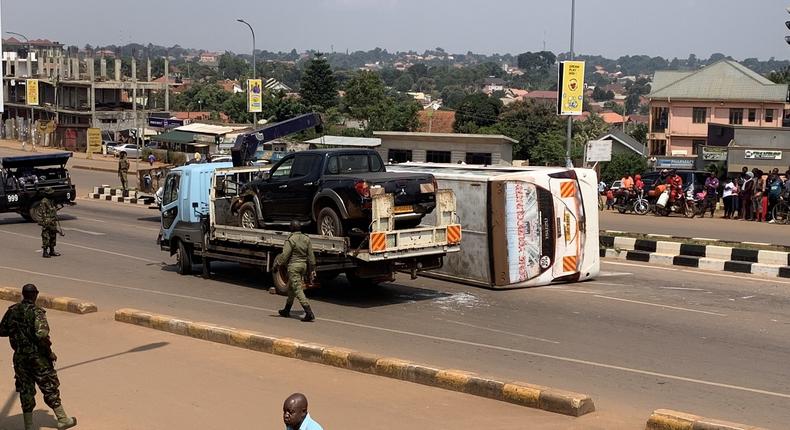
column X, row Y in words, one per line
column 402, row 192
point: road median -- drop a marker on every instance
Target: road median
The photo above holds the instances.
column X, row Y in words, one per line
column 65, row 304
column 666, row 419
column 529, row 395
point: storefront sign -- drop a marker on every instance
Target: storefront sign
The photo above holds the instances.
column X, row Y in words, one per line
column 599, row 151
column 714, row 154
column 675, row 163
column 254, row 95
column 165, row 122
column 571, row 85
column 94, row 140
column 753, row 154
column 31, row 88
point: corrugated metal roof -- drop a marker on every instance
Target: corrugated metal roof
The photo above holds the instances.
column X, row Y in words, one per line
column 365, row 142
column 174, row 136
column 724, row 80
column 207, row 128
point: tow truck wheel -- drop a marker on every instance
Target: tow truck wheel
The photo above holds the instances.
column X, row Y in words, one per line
column 247, row 217
column 280, row 280
column 183, row 259
column 33, row 211
column 329, row 223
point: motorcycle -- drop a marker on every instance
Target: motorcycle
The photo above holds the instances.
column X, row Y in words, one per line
column 683, row 204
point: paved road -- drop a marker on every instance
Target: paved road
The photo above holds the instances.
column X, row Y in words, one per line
column 637, row 339
column 712, row 228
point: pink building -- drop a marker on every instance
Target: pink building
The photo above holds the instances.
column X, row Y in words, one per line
column 683, row 103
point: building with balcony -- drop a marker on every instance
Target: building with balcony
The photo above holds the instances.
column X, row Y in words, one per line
column 682, row 104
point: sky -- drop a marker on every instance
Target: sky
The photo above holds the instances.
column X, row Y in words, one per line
column 669, row 28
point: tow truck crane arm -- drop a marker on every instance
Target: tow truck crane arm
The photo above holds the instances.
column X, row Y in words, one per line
column 247, row 143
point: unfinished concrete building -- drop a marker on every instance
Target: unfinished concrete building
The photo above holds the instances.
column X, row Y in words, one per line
column 76, row 96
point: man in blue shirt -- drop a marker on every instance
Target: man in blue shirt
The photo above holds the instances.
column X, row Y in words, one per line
column 295, row 414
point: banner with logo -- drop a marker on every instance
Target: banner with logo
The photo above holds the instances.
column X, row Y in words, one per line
column 571, row 88
column 31, row 88
column 94, row 141
column 254, row 95
column 762, row 155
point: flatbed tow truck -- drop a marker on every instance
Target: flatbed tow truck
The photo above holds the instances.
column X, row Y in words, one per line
column 198, row 226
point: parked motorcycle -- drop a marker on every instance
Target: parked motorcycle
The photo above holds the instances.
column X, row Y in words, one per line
column 683, row 204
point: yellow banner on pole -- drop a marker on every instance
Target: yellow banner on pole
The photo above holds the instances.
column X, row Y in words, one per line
column 94, row 141
column 571, row 85
column 31, row 88
column 254, row 95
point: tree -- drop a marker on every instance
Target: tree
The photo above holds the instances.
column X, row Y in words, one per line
column 622, row 163
column 631, row 103
column 319, row 87
column 233, row 67
column 364, row 92
column 614, row 107
column 418, row 71
column 549, row 150
column 404, row 83
column 526, row 122
column 590, row 129
column 536, row 61
column 395, row 115
column 780, row 77
column 452, row 96
column 601, row 95
column 476, row 110
column 637, row 131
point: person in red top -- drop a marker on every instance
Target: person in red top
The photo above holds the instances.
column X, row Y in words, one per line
column 638, row 183
column 676, row 185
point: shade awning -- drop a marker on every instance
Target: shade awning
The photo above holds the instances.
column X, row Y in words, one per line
column 174, row 137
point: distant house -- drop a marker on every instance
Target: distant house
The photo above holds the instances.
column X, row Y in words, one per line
column 624, row 143
column 612, row 118
column 492, row 85
column 275, row 85
column 230, row 86
column 208, row 58
column 440, row 121
column 542, row 96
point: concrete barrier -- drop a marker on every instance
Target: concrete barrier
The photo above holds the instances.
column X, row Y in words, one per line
column 533, row 396
column 665, row 419
column 65, row 304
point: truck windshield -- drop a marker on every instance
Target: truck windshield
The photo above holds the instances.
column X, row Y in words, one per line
column 353, row 163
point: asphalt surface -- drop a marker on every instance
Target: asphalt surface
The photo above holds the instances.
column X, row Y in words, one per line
column 712, row 228
column 637, row 339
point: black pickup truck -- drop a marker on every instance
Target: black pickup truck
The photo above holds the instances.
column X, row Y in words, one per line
column 331, row 188
column 23, row 178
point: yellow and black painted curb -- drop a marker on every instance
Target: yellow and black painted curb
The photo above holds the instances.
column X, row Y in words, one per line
column 665, row 419
column 533, row 396
column 65, row 304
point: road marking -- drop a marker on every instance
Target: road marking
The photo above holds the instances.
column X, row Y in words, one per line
column 91, row 219
column 745, row 278
column 610, row 284
column 86, row 248
column 643, row 266
column 607, row 274
column 681, row 288
column 92, row 233
column 431, row 337
column 499, row 331
column 659, row 305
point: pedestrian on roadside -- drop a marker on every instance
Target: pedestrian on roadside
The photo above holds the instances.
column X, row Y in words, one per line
column 610, row 199
column 295, row 415
column 602, row 193
column 739, row 183
column 299, row 258
column 25, row 325
column 123, row 170
column 774, row 191
column 48, row 220
column 745, row 195
column 711, row 194
column 729, row 196
column 759, row 193
column 151, row 159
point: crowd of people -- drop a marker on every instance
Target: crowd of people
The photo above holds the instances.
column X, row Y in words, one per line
column 751, row 195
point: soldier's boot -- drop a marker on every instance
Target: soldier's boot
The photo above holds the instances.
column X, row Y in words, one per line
column 52, row 252
column 308, row 314
column 45, row 252
column 64, row 421
column 286, row 311
column 28, row 417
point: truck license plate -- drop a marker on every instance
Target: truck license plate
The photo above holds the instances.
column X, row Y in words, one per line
column 403, row 209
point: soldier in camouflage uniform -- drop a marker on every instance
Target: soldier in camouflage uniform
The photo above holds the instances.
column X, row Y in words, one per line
column 123, row 170
column 25, row 324
column 48, row 220
column 298, row 256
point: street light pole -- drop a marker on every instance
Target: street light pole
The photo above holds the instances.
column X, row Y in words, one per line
column 569, row 143
column 254, row 75
column 30, row 73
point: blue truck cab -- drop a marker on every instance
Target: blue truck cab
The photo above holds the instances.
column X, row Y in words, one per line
column 185, row 201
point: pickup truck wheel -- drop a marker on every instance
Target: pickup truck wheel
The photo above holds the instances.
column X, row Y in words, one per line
column 280, row 280
column 247, row 216
column 183, row 259
column 34, row 211
column 329, row 223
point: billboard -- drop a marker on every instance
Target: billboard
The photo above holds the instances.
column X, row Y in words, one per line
column 599, row 151
column 94, row 141
column 254, row 95
column 571, row 88
column 31, row 90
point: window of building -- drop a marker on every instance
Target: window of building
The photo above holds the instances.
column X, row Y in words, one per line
column 769, row 115
column 696, row 146
column 437, row 156
column 399, row 155
column 483, row 158
column 699, row 115
column 658, row 147
column 752, row 115
column 660, row 120
column 736, row 116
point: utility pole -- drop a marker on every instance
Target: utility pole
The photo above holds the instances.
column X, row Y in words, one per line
column 569, row 143
column 254, row 75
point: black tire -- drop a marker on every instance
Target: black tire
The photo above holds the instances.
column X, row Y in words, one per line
column 621, row 209
column 641, row 207
column 26, row 216
column 248, row 216
column 328, row 223
column 280, row 280
column 34, row 211
column 183, row 259
column 690, row 210
column 781, row 213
